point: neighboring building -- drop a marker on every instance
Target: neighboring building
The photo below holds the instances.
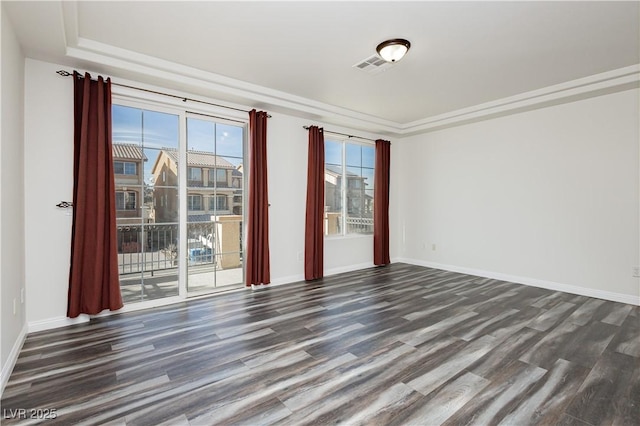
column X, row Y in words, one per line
column 359, row 204
column 128, row 170
column 214, row 186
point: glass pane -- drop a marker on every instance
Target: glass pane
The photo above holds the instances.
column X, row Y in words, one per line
column 229, row 269
column 200, row 135
column 196, row 207
column 221, row 176
column 128, row 205
column 368, row 156
column 128, row 176
column 126, row 125
column 237, row 202
column 195, row 177
column 229, row 239
column 147, row 245
column 368, row 206
column 355, row 201
column 354, row 178
column 160, row 167
column 333, row 152
column 165, row 205
column 353, row 154
column 368, row 178
column 160, row 130
column 148, row 261
column 229, row 140
column 201, row 246
column 333, row 202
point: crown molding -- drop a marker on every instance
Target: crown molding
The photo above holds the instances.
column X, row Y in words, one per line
column 136, row 66
column 199, row 81
column 605, row 82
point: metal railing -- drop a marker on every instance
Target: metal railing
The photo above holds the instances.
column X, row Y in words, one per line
column 147, row 247
column 154, row 247
column 359, row 225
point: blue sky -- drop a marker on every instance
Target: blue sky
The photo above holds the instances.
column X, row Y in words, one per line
column 157, row 130
column 360, row 158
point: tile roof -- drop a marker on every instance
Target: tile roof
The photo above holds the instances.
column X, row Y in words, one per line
column 337, row 170
column 128, row 151
column 201, row 159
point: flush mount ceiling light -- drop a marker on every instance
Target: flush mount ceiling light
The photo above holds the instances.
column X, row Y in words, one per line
column 393, row 50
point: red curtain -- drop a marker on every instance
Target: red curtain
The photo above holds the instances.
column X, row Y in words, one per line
column 381, row 204
column 93, row 274
column 257, row 266
column 313, row 234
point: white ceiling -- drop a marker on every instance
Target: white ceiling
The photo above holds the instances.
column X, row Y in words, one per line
column 299, row 55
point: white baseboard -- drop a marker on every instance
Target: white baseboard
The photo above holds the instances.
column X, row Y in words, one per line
column 534, row 282
column 48, row 324
column 328, row 272
column 287, row 280
column 7, row 368
column 348, row 268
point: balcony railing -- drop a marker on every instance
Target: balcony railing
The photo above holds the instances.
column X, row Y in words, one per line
column 154, row 247
column 359, row 225
column 147, row 248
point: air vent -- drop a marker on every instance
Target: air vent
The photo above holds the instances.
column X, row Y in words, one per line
column 373, row 65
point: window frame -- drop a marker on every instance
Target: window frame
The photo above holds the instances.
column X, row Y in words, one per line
column 189, row 202
column 133, row 98
column 214, row 200
column 344, row 187
column 126, row 194
column 124, row 168
column 190, row 170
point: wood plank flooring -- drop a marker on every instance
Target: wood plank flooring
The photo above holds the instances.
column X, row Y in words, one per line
column 399, row 345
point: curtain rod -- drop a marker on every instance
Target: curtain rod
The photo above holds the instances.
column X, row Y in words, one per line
column 64, row 73
column 341, row 134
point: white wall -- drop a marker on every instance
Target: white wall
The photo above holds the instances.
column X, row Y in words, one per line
column 288, row 143
column 49, row 180
column 548, row 197
column 11, row 199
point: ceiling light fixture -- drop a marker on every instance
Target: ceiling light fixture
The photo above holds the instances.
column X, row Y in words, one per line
column 393, row 50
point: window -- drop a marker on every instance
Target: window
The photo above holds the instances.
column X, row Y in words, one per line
column 194, row 174
column 151, row 194
column 125, row 200
column 349, row 172
column 218, row 202
column 125, row 168
column 221, row 176
column 195, row 202
column 218, row 177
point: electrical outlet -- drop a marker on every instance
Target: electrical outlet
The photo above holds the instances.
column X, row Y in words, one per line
column 433, row 247
column 636, row 271
column 22, row 295
column 14, row 307
column 299, row 256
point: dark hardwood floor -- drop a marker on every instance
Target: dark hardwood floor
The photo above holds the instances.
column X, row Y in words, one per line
column 400, row 345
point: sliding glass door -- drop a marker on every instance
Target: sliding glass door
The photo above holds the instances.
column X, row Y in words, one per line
column 215, row 204
column 179, row 200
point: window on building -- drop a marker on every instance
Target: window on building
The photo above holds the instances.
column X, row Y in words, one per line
column 221, row 176
column 218, row 177
column 125, row 168
column 125, row 200
column 218, row 202
column 349, row 172
column 194, row 174
column 195, row 202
